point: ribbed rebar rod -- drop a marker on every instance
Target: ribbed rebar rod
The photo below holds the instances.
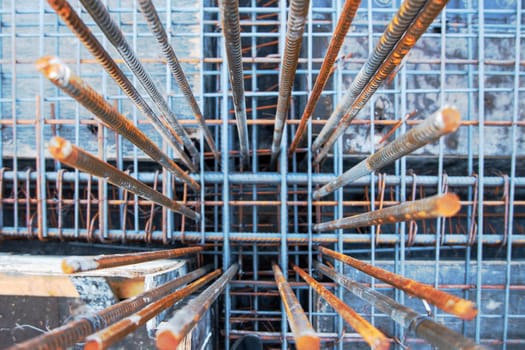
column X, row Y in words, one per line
column 445, row 205
column 447, row 302
column 69, row 154
column 111, row 30
column 60, row 75
column 86, row 263
column 171, row 333
column 91, row 43
column 156, row 27
column 343, row 24
column 231, row 30
column 420, row 24
column 75, row 331
column 108, row 336
column 305, row 336
column 433, row 332
column 294, row 38
column 373, row 336
column 393, row 32
column 442, row 122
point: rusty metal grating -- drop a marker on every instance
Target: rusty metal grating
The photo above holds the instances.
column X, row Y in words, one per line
column 471, row 57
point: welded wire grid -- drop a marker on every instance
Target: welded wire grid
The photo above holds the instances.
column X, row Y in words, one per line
column 471, row 57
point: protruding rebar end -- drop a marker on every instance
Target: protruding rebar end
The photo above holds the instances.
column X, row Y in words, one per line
column 60, row 148
column 78, row 264
column 465, row 309
column 448, row 205
column 53, row 69
column 308, row 342
column 93, row 344
column 451, row 119
column 166, row 340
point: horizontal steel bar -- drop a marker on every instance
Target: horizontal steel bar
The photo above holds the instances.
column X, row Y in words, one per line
column 445, row 205
column 447, row 302
column 171, row 333
column 76, row 331
column 110, row 335
column 87, row 263
column 304, row 335
column 69, row 154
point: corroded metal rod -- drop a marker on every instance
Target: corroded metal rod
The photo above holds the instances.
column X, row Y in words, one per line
column 440, row 205
column 75, row 331
column 108, row 336
column 370, row 334
column 171, row 333
column 442, row 122
column 91, row 43
column 424, row 327
column 292, row 49
column 87, row 263
column 156, row 27
column 303, row 333
column 345, row 21
column 231, row 30
column 447, row 302
column 60, row 75
column 111, row 30
column 393, row 32
column 418, row 26
column 69, row 154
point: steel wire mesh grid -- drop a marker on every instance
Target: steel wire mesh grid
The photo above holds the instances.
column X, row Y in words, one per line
column 254, row 213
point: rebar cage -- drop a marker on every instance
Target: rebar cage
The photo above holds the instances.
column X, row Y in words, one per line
column 471, row 57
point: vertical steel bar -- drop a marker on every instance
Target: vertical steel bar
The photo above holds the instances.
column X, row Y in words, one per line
column 60, row 75
column 170, row 334
column 100, row 14
column 110, row 335
column 290, row 58
column 229, row 10
column 87, row 263
column 370, row 334
column 75, row 157
column 431, row 207
column 283, row 210
column 438, row 124
column 304, row 335
column 343, row 25
column 91, row 43
column 152, row 17
column 393, row 60
column 394, row 31
column 433, row 332
column 75, row 331
column 462, row 308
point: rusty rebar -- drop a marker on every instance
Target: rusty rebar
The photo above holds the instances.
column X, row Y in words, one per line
column 442, row 122
column 305, row 336
column 108, row 336
column 447, row 302
column 350, row 107
column 294, row 38
column 231, row 30
column 343, row 25
column 73, row 332
column 69, row 154
column 60, row 75
column 444, row 205
column 111, row 30
column 433, row 332
column 156, row 27
column 87, row 263
column 171, row 333
column 91, row 43
column 373, row 336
